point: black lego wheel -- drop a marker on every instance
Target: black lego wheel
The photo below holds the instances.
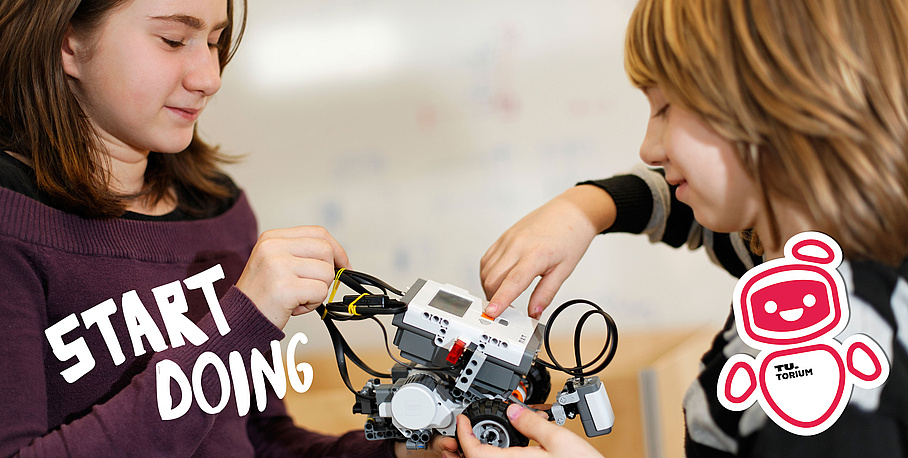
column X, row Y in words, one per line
column 539, row 384
column 491, row 426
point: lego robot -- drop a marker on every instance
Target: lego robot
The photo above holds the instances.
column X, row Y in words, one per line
column 458, row 360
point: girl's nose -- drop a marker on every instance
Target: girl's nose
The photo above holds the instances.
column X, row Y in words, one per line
column 204, row 75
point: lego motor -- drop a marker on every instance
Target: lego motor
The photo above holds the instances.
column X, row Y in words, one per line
column 456, row 360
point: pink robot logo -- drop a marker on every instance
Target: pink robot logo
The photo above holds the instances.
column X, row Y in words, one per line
column 791, row 309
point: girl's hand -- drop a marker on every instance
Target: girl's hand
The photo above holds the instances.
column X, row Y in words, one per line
column 554, row 440
column 548, row 242
column 290, row 270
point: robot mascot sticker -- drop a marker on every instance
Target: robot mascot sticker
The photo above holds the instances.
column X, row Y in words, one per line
column 791, row 309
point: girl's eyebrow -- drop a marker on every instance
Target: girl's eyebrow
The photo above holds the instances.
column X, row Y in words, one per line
column 190, row 21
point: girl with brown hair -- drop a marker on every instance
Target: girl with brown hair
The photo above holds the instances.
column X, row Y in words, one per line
column 117, row 229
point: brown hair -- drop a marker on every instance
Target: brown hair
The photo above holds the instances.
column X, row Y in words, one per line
column 41, row 119
column 819, row 86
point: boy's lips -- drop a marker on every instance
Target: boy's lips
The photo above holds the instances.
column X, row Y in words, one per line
column 675, row 181
column 680, row 185
column 672, row 177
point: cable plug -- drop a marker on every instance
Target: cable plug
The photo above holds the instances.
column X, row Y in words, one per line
column 374, row 303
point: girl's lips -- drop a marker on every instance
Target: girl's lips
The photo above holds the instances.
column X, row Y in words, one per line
column 190, row 114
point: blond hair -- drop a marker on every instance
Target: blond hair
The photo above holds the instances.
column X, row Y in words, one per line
column 819, row 86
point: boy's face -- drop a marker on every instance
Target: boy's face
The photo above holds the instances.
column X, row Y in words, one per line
column 704, row 165
column 146, row 74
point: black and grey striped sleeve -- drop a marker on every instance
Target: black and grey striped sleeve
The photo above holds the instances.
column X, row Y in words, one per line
column 646, row 204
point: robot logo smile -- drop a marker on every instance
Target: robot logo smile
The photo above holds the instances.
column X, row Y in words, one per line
column 792, row 315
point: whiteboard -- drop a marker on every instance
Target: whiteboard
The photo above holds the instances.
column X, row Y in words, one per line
column 417, row 132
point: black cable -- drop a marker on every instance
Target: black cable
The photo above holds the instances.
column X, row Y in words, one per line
column 342, row 349
column 356, row 280
column 352, row 284
column 339, row 344
column 376, row 305
column 608, row 349
column 345, row 347
column 365, row 306
column 411, row 366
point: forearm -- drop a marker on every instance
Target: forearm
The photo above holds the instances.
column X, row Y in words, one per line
column 593, row 205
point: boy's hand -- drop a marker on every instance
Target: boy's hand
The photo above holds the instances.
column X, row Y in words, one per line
column 554, row 440
column 547, row 243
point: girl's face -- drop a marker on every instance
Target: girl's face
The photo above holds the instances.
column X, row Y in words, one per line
column 146, row 74
column 704, row 165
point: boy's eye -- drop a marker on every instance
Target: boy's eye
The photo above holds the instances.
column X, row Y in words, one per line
column 661, row 111
column 172, row 43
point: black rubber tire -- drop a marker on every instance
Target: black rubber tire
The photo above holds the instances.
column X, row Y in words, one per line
column 491, row 426
column 539, row 384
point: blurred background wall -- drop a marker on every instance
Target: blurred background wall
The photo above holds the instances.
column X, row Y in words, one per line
column 417, row 132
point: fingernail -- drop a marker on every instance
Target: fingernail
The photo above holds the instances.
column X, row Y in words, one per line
column 514, row 411
column 491, row 308
column 537, row 312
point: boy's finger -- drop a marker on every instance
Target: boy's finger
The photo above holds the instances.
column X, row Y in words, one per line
column 532, row 425
column 468, row 442
column 514, row 283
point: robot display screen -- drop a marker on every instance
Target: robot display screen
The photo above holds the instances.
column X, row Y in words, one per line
column 450, row 303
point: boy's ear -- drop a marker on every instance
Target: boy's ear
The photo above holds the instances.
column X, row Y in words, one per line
column 72, row 53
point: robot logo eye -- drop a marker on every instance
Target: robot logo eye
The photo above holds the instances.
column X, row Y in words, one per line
column 809, row 300
column 770, row 307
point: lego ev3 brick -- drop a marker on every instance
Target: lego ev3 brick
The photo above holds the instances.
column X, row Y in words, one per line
column 451, row 314
column 496, row 377
column 417, row 347
column 408, row 296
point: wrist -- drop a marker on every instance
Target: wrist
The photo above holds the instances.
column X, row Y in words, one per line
column 594, row 204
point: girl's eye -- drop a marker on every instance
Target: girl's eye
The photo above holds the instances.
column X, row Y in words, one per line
column 661, row 111
column 215, row 45
column 173, row 43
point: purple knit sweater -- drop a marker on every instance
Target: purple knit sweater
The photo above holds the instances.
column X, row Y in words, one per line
column 55, row 266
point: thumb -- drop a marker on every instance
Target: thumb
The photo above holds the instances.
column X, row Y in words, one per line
column 533, row 426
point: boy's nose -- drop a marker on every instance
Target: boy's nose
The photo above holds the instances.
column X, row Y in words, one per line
column 652, row 151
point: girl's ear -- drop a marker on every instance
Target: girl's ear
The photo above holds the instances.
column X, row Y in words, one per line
column 72, row 53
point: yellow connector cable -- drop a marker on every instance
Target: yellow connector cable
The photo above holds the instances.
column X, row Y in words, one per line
column 336, row 284
column 351, row 309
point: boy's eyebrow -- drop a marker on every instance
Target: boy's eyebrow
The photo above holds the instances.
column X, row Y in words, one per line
column 190, row 21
